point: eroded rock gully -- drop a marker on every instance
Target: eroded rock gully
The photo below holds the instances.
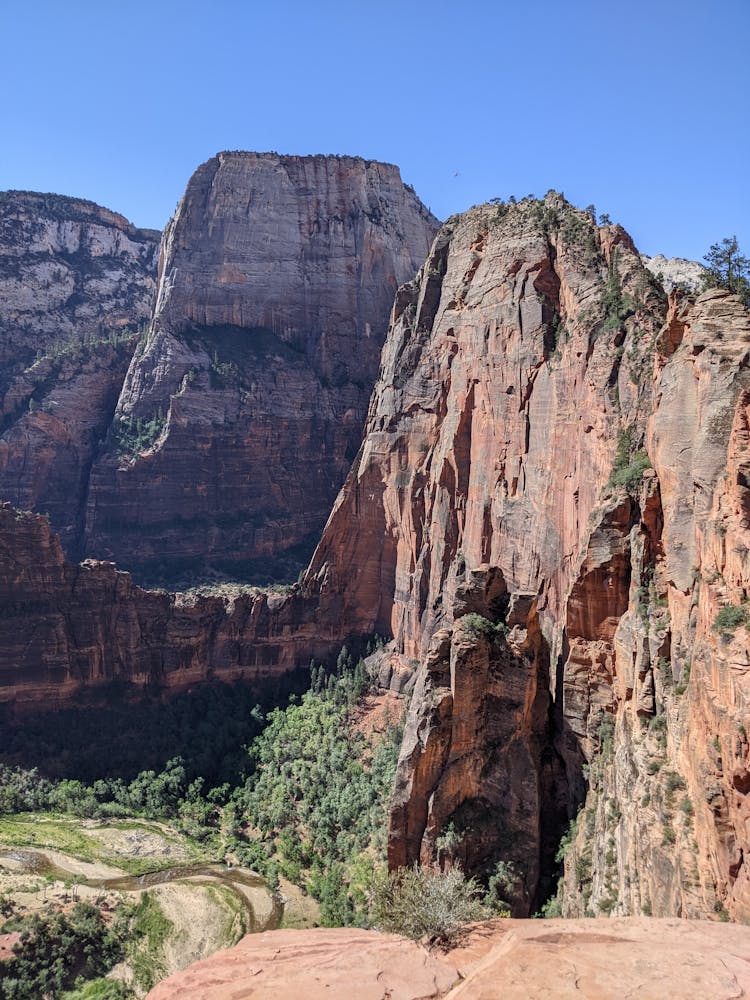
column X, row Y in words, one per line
column 548, row 509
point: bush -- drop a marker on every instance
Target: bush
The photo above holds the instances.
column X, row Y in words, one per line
column 629, row 466
column 731, row 617
column 477, row 625
column 425, row 902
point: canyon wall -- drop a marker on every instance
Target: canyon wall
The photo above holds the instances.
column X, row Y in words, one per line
column 276, row 281
column 76, row 283
column 549, row 514
column 66, row 626
column 555, row 467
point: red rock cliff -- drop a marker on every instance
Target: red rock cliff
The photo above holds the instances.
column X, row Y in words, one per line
column 548, row 511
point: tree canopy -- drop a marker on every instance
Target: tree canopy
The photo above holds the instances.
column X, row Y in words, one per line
column 728, row 268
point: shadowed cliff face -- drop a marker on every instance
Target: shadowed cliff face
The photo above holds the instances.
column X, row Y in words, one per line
column 665, row 824
column 276, row 280
column 76, row 282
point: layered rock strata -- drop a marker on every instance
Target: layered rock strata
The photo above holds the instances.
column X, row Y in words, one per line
column 68, row 626
column 76, row 283
column 276, row 280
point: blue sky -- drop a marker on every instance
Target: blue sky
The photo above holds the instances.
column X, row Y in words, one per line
column 640, row 107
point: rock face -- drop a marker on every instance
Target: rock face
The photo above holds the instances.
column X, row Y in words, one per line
column 665, row 824
column 549, row 590
column 512, row 361
column 276, row 280
column 69, row 270
column 76, row 283
column 676, row 272
column 513, row 959
column 548, row 513
column 65, row 626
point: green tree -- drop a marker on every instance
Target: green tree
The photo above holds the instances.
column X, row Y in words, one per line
column 728, row 268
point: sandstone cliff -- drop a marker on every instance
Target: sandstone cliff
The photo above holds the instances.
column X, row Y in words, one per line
column 551, row 591
column 548, row 511
column 65, row 626
column 511, row 364
column 76, row 282
column 276, row 280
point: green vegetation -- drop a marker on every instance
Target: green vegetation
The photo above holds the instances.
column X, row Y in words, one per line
column 477, row 626
column 730, row 618
column 120, row 733
column 131, row 436
column 65, row 834
column 630, row 464
column 148, row 931
column 425, row 902
column 79, row 348
column 728, row 268
column 617, row 306
column 318, row 796
column 100, row 989
column 58, row 951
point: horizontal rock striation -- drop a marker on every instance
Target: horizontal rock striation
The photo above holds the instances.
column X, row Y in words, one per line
column 68, row 626
column 276, row 281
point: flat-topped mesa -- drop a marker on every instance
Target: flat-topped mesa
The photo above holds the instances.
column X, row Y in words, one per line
column 76, row 283
column 276, row 280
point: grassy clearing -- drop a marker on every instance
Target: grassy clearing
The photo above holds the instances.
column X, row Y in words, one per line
column 66, row 834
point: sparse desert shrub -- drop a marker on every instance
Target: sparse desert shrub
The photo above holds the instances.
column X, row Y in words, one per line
column 425, row 902
column 629, row 465
column 730, row 618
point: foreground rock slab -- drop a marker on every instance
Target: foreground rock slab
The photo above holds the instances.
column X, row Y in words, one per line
column 513, row 959
column 287, row 965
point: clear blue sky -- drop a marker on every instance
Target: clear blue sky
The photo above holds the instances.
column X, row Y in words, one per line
column 639, row 106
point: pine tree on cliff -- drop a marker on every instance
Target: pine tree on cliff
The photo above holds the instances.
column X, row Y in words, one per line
column 728, row 268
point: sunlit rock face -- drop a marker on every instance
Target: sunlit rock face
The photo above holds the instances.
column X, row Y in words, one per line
column 547, row 513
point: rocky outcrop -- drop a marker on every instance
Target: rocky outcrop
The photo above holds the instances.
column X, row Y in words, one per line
column 76, row 283
column 512, row 362
column 276, row 281
column 676, row 272
column 69, row 270
column 68, row 626
column 549, row 513
column 551, row 591
column 518, row 960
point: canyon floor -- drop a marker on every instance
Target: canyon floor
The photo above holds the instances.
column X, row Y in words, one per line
column 647, row 959
column 49, row 862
